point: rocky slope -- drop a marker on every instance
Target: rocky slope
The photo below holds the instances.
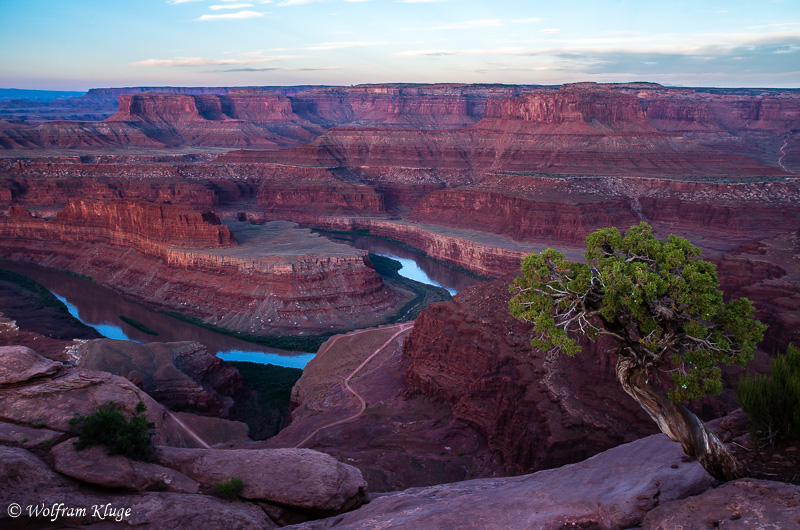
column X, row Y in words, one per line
column 180, row 375
column 278, row 279
column 396, row 442
column 535, row 411
column 40, row 464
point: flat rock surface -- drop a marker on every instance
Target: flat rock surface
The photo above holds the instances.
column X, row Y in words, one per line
column 300, row 478
column 95, row 466
column 26, row 436
column 28, row 482
column 19, row 364
column 749, row 504
column 614, row 489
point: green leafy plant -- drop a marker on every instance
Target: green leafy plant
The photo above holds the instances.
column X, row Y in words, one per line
column 229, row 489
column 772, row 402
column 660, row 303
column 108, row 426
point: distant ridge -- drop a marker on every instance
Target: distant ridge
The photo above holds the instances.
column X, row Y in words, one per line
column 37, row 95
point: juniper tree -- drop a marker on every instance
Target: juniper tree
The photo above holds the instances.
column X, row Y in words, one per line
column 662, row 307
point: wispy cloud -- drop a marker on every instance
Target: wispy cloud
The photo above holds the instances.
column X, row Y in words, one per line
column 299, row 2
column 229, row 6
column 441, row 53
column 184, row 1
column 281, row 69
column 420, row 1
column 471, row 24
column 189, row 61
column 342, row 45
column 549, row 31
column 239, row 15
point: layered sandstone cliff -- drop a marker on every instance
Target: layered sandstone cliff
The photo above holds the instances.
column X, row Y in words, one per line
column 278, row 279
column 535, row 411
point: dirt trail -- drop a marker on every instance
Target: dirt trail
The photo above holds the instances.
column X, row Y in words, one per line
column 188, row 430
column 362, row 404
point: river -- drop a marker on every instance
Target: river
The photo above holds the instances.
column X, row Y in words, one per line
column 100, row 307
column 415, row 264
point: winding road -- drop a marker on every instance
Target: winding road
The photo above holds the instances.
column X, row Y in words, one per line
column 362, row 404
column 783, row 152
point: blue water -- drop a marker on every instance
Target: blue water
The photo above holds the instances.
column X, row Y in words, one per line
column 107, row 329
column 296, row 361
column 411, row 270
column 112, row 331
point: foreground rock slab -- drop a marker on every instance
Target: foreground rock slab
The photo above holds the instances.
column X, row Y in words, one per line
column 614, row 489
column 748, row 504
column 29, row 483
column 95, row 466
column 299, row 478
column 19, row 364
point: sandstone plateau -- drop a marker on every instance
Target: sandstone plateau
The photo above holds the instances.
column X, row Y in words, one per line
column 275, row 277
column 199, row 200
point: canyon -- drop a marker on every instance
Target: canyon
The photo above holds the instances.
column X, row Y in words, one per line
column 200, row 201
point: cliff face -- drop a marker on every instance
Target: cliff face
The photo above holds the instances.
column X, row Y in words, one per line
column 591, row 109
column 148, row 227
column 535, row 411
column 585, row 128
column 523, row 218
column 280, row 279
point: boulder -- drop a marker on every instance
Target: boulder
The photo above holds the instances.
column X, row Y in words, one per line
column 19, row 364
column 299, row 478
column 180, row 375
column 95, row 466
column 27, row 481
column 614, row 489
column 52, row 402
column 27, row 436
column 747, row 503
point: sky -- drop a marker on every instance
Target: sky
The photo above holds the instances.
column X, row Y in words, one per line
column 77, row 45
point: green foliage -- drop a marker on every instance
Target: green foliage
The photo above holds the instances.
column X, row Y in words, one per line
column 138, row 325
column 773, row 403
column 654, row 296
column 267, row 411
column 108, row 426
column 229, row 489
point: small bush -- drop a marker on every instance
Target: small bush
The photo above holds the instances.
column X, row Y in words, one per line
column 229, row 489
column 773, row 402
column 108, row 426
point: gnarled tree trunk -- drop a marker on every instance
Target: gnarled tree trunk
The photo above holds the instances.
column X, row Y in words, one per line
column 679, row 423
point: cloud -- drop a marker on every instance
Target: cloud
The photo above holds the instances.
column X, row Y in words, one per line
column 420, row 1
column 526, row 20
column 299, row 2
column 185, row 1
column 342, row 45
column 278, row 68
column 189, row 61
column 441, row 53
column 229, row 6
column 239, row 15
column 550, row 31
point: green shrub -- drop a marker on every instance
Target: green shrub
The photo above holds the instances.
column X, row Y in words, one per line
column 772, row 402
column 108, row 426
column 229, row 489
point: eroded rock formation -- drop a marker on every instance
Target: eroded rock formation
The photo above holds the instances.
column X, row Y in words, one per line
column 279, row 278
